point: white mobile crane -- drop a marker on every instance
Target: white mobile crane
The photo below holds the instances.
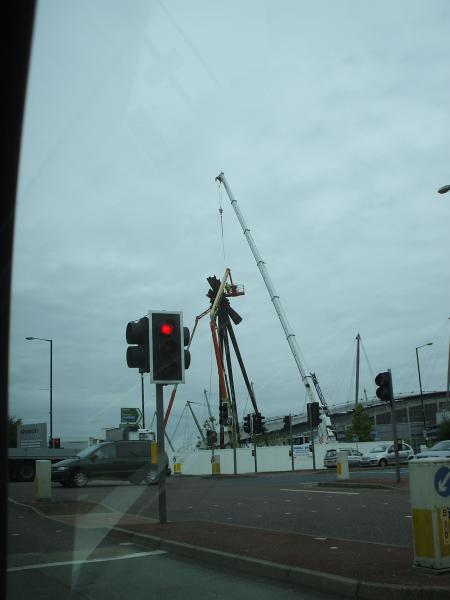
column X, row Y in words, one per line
column 325, row 427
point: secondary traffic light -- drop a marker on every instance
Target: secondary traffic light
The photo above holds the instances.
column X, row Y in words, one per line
column 168, row 358
column 258, row 423
column 313, row 414
column 211, row 437
column 223, row 413
column 287, row 422
column 384, row 390
column 247, row 426
column 56, row 443
column 138, row 353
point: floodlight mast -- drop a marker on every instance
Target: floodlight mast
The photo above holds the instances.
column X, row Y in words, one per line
column 290, row 336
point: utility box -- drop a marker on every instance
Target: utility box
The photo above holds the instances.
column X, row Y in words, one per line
column 429, row 484
column 43, row 480
column 342, row 466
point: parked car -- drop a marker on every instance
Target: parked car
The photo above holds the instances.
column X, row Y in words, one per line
column 384, row 454
column 330, row 459
column 108, row 460
column 439, row 450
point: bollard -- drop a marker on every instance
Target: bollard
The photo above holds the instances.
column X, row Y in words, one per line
column 429, row 485
column 342, row 466
column 215, row 464
column 43, row 480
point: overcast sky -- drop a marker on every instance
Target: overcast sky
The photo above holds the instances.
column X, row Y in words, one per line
column 331, row 122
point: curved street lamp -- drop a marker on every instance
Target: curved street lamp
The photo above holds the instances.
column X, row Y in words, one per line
column 51, row 382
column 420, row 384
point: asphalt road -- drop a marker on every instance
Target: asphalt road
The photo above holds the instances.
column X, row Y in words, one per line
column 282, row 501
column 48, row 560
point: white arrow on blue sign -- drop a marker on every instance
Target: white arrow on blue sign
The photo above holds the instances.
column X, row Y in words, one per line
column 442, row 481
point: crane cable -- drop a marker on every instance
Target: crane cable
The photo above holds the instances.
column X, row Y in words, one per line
column 220, row 192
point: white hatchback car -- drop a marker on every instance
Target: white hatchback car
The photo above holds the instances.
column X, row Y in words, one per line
column 384, row 454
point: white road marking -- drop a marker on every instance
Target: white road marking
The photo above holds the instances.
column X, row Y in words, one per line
column 288, row 513
column 322, row 539
column 408, row 516
column 320, row 492
column 334, row 548
column 82, row 562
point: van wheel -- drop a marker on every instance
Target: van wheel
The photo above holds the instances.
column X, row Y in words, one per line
column 383, row 462
column 79, row 479
column 26, row 471
column 151, row 477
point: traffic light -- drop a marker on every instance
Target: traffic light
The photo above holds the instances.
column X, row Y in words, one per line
column 211, row 437
column 247, row 426
column 313, row 414
column 384, row 390
column 258, row 423
column 138, row 353
column 56, row 443
column 399, row 443
column 168, row 358
column 223, row 413
column 287, row 422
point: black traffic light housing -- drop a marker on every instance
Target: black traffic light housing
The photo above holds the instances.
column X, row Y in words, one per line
column 168, row 357
column 223, row 413
column 258, row 423
column 287, row 422
column 211, row 437
column 247, row 425
column 313, row 410
column 137, row 334
column 384, row 390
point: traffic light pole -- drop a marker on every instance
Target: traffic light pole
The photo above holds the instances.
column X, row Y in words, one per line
column 313, row 449
column 142, row 399
column 254, row 447
column 292, row 443
column 394, row 429
column 162, row 505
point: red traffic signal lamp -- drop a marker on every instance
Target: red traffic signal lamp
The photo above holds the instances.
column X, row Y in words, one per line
column 384, row 390
column 168, row 357
column 137, row 334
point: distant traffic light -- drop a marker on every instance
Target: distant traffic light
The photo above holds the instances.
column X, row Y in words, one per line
column 56, row 443
column 223, row 413
column 211, row 437
column 247, row 425
column 287, row 422
column 258, row 423
column 313, row 410
column 168, row 358
column 384, row 390
column 137, row 334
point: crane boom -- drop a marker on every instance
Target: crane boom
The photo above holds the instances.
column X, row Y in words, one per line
column 290, row 336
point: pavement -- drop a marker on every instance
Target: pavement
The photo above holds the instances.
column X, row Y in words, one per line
column 351, row 569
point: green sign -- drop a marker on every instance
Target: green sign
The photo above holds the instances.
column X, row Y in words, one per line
column 130, row 415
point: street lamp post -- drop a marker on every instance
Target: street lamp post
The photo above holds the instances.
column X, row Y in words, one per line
column 420, row 383
column 51, row 384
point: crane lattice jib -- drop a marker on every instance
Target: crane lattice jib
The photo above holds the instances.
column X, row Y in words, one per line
column 290, row 336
